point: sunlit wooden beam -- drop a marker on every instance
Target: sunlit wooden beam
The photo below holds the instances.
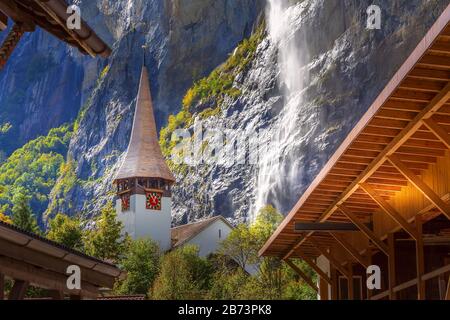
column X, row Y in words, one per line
column 369, row 234
column 389, row 210
column 438, row 131
column 315, row 267
column 330, row 258
column 302, row 275
column 3, row 21
column 420, row 185
column 350, row 249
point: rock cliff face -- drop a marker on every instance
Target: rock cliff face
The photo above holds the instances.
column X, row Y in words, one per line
column 343, row 67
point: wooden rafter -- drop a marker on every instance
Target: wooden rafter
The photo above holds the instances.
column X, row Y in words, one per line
column 350, row 249
column 369, row 233
column 315, row 267
column 440, row 132
column 420, row 185
column 389, row 210
column 302, row 275
column 3, row 21
column 330, row 258
column 298, row 243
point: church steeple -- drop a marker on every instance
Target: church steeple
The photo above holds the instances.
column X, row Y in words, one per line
column 144, row 158
column 144, row 180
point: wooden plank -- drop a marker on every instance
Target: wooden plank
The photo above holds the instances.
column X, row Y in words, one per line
column 369, row 234
column 438, row 131
column 420, row 185
column 350, row 249
column 315, row 267
column 330, row 258
column 302, row 275
column 18, row 290
column 420, row 264
column 297, row 244
column 389, row 210
column 391, row 266
column 56, row 294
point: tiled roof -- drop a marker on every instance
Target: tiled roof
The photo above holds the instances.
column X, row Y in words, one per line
column 184, row 233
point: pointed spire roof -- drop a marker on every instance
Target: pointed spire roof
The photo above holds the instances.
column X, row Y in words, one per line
column 144, row 158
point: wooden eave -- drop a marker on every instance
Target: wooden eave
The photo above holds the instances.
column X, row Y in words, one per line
column 51, row 16
column 398, row 125
column 37, row 260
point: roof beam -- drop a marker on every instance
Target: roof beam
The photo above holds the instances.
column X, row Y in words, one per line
column 298, row 243
column 438, row 131
column 324, row 226
column 302, row 275
column 369, row 233
column 420, row 185
column 315, row 267
column 330, row 258
column 18, row 290
column 351, row 250
column 389, row 210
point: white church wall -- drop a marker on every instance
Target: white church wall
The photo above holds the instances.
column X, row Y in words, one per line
column 209, row 239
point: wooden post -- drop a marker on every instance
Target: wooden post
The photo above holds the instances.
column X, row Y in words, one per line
column 351, row 291
column 323, row 289
column 11, row 41
column 391, row 266
column 334, row 284
column 420, row 260
column 75, row 297
column 2, row 286
column 18, row 290
column 369, row 254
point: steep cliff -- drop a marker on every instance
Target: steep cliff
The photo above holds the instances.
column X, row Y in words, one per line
column 300, row 83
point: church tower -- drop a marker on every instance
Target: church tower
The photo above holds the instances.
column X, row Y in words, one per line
column 144, row 180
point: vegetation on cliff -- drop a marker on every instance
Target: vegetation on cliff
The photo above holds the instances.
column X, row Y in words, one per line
column 32, row 169
column 205, row 98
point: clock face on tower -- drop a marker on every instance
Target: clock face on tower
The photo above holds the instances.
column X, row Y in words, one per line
column 153, row 200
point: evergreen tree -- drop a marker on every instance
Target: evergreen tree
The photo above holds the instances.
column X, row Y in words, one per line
column 66, row 231
column 105, row 241
column 23, row 216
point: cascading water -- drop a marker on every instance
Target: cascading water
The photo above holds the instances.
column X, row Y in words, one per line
column 275, row 168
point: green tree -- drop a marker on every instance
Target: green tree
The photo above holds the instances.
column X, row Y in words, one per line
column 142, row 263
column 105, row 241
column 23, row 216
column 184, row 275
column 67, row 231
column 266, row 222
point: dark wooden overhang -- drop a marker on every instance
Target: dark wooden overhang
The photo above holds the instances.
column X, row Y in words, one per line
column 51, row 15
column 404, row 131
column 38, row 261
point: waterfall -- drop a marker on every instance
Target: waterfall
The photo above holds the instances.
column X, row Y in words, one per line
column 275, row 169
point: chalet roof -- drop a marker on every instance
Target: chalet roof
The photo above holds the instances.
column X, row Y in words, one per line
column 404, row 131
column 30, row 257
column 184, row 233
column 51, row 16
column 144, row 158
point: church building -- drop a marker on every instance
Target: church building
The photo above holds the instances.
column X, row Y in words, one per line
column 144, row 184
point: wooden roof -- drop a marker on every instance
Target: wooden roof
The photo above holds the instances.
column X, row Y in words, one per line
column 405, row 130
column 184, row 233
column 42, row 262
column 51, row 16
column 144, row 158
